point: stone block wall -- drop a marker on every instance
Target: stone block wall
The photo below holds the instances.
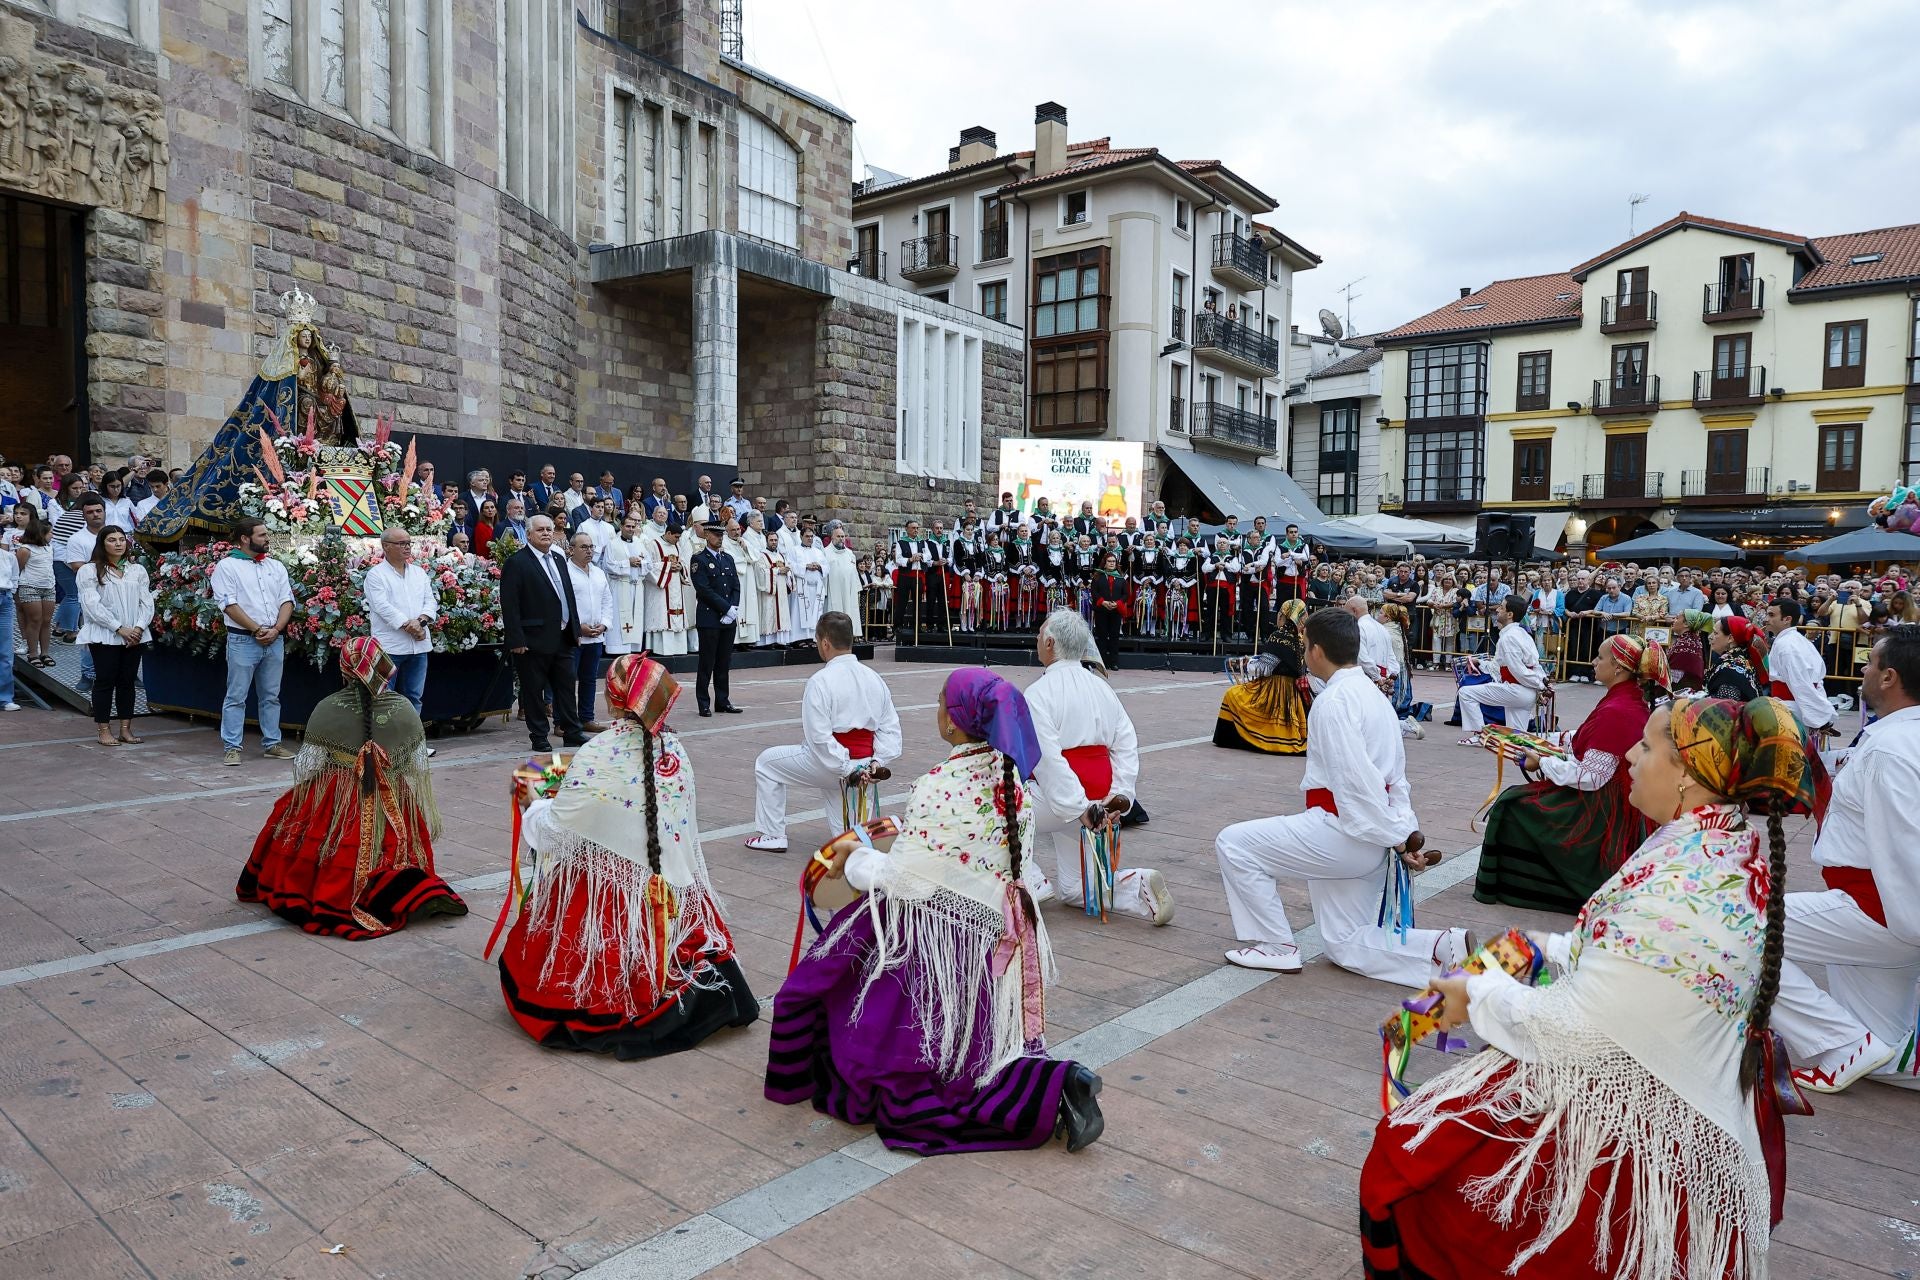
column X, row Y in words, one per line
column 540, row 273
column 636, row 369
column 780, row 442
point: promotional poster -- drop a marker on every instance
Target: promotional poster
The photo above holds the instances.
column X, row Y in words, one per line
column 1069, row 472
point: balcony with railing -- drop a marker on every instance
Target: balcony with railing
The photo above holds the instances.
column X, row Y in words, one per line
column 1626, row 395
column 1609, row 489
column 1238, row 346
column 993, row 242
column 1733, row 301
column 1630, row 313
column 1232, row 427
column 1240, row 260
column 929, row 257
column 1177, row 415
column 1177, row 325
column 1704, row 488
column 1713, row 389
column 871, row 263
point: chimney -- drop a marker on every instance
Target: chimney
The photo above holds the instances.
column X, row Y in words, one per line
column 1466, row 290
column 1049, row 139
column 976, row 144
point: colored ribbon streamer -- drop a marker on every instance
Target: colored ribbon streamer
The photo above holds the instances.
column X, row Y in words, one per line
column 1021, row 940
column 531, row 781
column 1419, row 1015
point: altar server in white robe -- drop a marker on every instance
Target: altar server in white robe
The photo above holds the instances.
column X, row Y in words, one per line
column 1864, row 927
column 1089, row 756
column 772, row 584
column 808, row 565
column 746, row 628
column 1797, row 671
column 1359, row 815
column 842, row 578
column 847, row 724
column 1518, row 678
column 664, row 589
column 625, row 562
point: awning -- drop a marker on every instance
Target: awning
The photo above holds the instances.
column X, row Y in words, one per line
column 1247, row 490
column 1547, row 528
column 1777, row 522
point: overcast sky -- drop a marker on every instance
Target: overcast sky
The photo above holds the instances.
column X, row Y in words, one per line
column 1424, row 146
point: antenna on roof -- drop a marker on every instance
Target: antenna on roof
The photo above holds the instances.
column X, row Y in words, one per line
column 1330, row 325
column 1633, row 207
column 1346, row 291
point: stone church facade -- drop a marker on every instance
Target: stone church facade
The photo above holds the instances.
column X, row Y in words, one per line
column 523, row 221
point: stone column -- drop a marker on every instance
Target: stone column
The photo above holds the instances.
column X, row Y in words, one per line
column 716, row 362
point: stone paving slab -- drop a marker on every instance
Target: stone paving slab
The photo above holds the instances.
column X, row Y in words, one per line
column 190, row 1088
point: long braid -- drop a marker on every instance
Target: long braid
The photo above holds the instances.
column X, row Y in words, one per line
column 367, row 778
column 653, row 824
column 1771, row 953
column 1010, row 788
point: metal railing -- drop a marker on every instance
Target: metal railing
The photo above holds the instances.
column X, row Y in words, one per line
column 1638, row 308
column 1239, row 253
column 1229, row 424
column 1177, row 329
column 929, row 253
column 1643, row 393
column 1724, row 300
column 1709, row 384
column 871, row 263
column 1177, row 414
column 1603, row 487
column 1213, row 331
column 993, row 242
column 1749, row 483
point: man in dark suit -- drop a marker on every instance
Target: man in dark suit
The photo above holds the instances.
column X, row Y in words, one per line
column 479, row 489
column 544, row 488
column 716, row 585
column 543, row 630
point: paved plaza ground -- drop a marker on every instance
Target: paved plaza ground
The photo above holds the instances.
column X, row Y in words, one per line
column 192, row 1090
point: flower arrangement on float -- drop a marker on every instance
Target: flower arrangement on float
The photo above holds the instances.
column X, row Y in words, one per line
column 290, row 493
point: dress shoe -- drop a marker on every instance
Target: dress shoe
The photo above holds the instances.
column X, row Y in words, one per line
column 594, row 726
column 1136, row 816
column 1080, row 1119
column 706, row 713
column 727, row 708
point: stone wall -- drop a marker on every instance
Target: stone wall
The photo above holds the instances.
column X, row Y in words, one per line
column 780, row 443
column 636, row 369
column 825, row 142
column 540, row 270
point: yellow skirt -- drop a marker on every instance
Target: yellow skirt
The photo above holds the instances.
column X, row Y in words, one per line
column 1268, row 714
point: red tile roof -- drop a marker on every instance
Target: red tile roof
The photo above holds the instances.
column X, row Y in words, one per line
column 1898, row 247
column 1088, row 163
column 1289, row 241
column 1685, row 219
column 1350, row 364
column 1502, row 304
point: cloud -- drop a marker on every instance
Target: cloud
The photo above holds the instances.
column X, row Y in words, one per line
column 1422, row 146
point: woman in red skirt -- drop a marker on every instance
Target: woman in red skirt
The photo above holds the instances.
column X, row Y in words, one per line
column 349, row 850
column 1624, row 1122
column 620, row 946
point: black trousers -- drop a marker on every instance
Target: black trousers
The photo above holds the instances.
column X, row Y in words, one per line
column 910, row 618
column 543, row 676
column 716, row 665
column 1106, row 634
column 587, row 677
column 115, row 668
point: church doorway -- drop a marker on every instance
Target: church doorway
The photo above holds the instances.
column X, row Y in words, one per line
column 43, row 393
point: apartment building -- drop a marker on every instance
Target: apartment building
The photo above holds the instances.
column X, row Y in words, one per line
column 1747, row 384
column 1333, row 404
column 1154, row 298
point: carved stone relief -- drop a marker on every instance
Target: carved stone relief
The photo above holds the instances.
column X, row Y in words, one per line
column 68, row 134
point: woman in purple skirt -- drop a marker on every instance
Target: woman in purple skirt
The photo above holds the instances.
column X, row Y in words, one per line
column 921, row 1010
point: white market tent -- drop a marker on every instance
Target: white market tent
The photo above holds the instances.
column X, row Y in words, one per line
column 1408, row 531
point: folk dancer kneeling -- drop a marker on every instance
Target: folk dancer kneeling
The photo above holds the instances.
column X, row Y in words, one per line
column 1358, row 820
column 1518, row 679
column 348, row 850
column 1626, row 1122
column 1089, row 758
column 921, row 1010
column 621, row 945
column 1550, row 842
column 849, row 734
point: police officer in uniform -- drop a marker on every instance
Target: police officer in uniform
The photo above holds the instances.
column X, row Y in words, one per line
column 717, row 587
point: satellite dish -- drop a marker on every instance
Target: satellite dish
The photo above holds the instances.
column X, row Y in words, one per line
column 1330, row 325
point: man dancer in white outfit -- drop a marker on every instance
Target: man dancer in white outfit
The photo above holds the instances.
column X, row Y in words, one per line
column 1518, row 678
column 1089, row 758
column 847, row 726
column 1796, row 669
column 1359, row 816
column 1865, row 926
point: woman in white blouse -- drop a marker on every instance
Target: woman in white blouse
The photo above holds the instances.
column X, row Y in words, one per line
column 116, row 606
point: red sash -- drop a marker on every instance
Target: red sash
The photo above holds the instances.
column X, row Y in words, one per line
column 1778, row 689
column 1094, row 767
column 1321, row 798
column 1857, row 883
column 858, row 742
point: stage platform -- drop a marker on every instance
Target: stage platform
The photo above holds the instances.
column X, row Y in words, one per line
column 1016, row 649
column 687, row 664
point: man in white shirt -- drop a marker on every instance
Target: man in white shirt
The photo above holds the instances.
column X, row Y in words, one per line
column 1377, row 657
column 256, row 598
column 593, row 596
column 849, row 734
column 1518, row 678
column 598, row 526
column 1796, row 669
column 1089, row 761
column 402, row 607
column 1865, row 927
column 157, row 486
column 1359, row 816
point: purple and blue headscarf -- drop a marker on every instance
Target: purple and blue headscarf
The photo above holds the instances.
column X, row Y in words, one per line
column 985, row 706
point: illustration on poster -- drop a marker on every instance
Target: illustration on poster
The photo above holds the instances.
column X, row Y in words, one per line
column 1106, row 475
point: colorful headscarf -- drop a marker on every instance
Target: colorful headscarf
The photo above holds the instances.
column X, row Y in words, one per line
column 984, row 706
column 1645, row 658
column 642, row 688
column 1294, row 611
column 1750, row 751
column 1697, row 620
column 1751, row 638
column 362, row 659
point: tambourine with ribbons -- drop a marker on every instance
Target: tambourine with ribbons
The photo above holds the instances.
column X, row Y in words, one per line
column 1511, row 744
column 537, row 779
column 1419, row 1016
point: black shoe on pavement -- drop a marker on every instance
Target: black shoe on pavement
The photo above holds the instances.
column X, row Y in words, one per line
column 706, row 713
column 1080, row 1117
column 1136, row 816
column 727, row 708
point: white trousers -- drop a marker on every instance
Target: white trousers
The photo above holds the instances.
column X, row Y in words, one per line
column 1476, row 697
column 1344, row 877
column 1873, row 978
column 779, row 768
column 1129, row 886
